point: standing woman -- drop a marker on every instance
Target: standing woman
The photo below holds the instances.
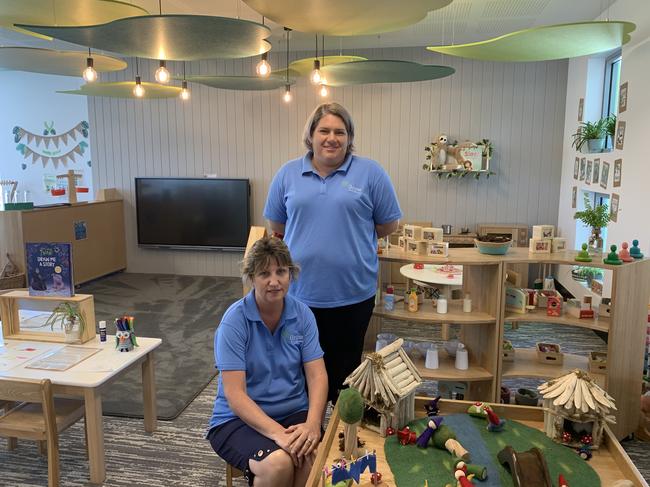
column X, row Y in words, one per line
column 265, row 422
column 331, row 206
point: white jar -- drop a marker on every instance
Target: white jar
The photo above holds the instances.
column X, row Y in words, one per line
column 442, row 305
column 467, row 304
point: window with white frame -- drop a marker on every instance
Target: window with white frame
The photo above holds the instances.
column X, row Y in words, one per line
column 611, row 88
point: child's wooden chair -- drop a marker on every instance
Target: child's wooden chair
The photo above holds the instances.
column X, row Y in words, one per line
column 232, row 473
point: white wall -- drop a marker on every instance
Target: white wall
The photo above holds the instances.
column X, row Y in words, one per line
column 632, row 216
column 520, row 107
column 28, row 100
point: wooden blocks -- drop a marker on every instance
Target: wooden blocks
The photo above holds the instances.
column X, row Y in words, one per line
column 413, row 232
column 432, row 234
column 558, row 244
column 438, row 249
column 597, row 362
column 416, row 247
column 12, row 302
column 540, row 245
column 549, row 353
column 543, row 231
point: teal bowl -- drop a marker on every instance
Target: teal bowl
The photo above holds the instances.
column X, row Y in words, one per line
column 492, row 248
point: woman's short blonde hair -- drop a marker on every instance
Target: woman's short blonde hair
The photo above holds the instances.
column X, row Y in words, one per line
column 332, row 108
column 262, row 254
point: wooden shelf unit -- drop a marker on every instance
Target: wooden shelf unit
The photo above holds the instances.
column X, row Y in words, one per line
column 484, row 278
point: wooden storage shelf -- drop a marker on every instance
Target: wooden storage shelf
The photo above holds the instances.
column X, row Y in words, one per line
column 527, row 365
column 448, row 371
column 427, row 314
column 459, row 256
column 539, row 316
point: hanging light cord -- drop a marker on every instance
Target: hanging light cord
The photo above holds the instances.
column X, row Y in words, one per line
column 316, row 36
column 159, row 7
column 183, row 70
column 137, row 67
column 322, row 50
column 287, row 74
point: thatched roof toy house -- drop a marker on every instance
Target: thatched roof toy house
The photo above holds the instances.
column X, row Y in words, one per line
column 576, row 409
column 387, row 380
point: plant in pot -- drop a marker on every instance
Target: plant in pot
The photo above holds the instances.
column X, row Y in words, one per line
column 597, row 218
column 610, row 128
column 70, row 319
column 592, row 134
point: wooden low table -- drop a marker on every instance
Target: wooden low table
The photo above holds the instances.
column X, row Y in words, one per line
column 610, row 461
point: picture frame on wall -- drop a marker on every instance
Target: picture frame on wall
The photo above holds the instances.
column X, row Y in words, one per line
column 613, row 209
column 604, row 175
column 581, row 109
column 618, row 169
column 576, row 168
column 574, row 197
column 622, row 98
column 620, row 134
column 583, row 167
column 596, row 173
column 588, row 173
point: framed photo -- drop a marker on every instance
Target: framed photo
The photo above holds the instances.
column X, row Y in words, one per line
column 622, row 98
column 588, row 174
column 604, row 174
column 576, row 168
column 574, row 197
column 581, row 108
column 618, row 167
column 583, row 167
column 613, row 209
column 620, row 134
column 596, row 173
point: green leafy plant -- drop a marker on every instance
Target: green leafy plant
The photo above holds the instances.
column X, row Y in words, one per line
column 597, row 217
column 66, row 315
column 589, row 131
column 580, row 273
column 610, row 125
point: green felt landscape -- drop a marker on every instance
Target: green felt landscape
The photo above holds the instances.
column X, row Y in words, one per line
column 411, row 465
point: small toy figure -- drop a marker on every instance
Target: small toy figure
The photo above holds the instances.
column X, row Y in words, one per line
column 375, row 478
column 566, row 437
column 125, row 336
column 423, row 439
column 612, row 257
column 635, row 251
column 585, row 452
column 390, row 431
column 461, row 477
column 624, row 253
column 472, row 470
column 478, row 410
column 586, row 439
column 432, row 408
column 406, row 436
column 583, row 255
column 494, row 422
column 561, row 481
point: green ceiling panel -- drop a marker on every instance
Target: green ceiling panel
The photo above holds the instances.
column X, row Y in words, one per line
column 49, row 61
column 345, row 17
column 382, row 71
column 124, row 89
column 169, row 37
column 248, row 83
column 304, row 66
column 546, row 43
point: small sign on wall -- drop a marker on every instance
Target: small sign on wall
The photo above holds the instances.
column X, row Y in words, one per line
column 618, row 168
column 596, row 177
column 588, row 175
column 581, row 109
column 613, row 211
column 574, row 197
column 620, row 134
column 622, row 98
column 576, row 168
column 80, row 230
column 604, row 175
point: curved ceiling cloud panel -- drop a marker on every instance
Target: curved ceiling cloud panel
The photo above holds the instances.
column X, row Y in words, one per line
column 124, row 89
column 66, row 12
column 49, row 61
column 382, row 71
column 304, row 66
column 248, row 83
column 345, row 17
column 546, row 43
column 168, row 37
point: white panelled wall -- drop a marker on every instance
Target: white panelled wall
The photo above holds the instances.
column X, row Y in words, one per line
column 239, row 134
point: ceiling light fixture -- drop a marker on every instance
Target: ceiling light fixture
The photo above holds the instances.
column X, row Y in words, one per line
column 323, row 91
column 315, row 75
column 138, row 89
column 287, row 87
column 263, row 68
column 185, row 93
column 162, row 73
column 89, row 74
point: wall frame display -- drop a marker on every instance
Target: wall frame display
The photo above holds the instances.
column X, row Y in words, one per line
column 604, row 175
column 576, row 168
column 588, row 173
column 613, row 210
column 581, row 109
column 574, row 197
column 620, row 134
column 596, row 172
column 618, row 168
column 622, row 98
column 583, row 166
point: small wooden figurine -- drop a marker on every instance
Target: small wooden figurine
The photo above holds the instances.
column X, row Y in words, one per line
column 72, row 178
column 494, row 422
column 583, row 255
column 624, row 253
column 635, row 251
column 612, row 257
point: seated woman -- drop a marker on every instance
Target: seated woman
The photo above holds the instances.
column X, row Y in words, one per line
column 264, row 422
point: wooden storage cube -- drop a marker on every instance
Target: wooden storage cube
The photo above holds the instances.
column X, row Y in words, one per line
column 12, row 302
column 549, row 353
column 508, row 351
column 597, row 362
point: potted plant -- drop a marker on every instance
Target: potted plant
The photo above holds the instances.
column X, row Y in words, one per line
column 610, row 128
column 591, row 133
column 586, row 274
column 597, row 218
column 70, row 319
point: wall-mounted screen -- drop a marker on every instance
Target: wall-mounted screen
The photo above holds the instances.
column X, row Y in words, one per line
column 193, row 213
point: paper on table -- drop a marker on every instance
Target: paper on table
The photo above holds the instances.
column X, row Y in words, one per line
column 17, row 353
column 62, row 359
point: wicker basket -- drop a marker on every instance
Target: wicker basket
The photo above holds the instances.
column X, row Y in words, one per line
column 13, row 282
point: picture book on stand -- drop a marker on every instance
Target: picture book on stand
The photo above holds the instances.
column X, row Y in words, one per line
column 49, row 269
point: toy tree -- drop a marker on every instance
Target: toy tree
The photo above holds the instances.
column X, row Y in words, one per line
column 350, row 404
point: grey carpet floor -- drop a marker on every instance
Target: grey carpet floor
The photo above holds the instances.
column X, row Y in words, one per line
column 182, row 310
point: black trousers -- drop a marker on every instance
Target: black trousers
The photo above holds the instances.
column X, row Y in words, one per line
column 341, row 331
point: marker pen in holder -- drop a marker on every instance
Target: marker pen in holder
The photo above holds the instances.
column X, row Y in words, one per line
column 102, row 331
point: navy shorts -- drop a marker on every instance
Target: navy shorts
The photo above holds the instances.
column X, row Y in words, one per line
column 236, row 442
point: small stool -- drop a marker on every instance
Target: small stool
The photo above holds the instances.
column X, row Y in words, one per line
column 232, row 473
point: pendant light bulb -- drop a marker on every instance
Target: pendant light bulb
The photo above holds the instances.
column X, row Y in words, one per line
column 287, row 94
column 162, row 73
column 185, row 93
column 316, row 76
column 323, row 91
column 138, row 90
column 89, row 74
column 263, row 68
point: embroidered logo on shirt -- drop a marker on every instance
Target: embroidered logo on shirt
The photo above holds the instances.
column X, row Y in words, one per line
column 293, row 338
column 350, row 187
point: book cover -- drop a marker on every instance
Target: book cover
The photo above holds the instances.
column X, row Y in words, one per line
column 49, row 269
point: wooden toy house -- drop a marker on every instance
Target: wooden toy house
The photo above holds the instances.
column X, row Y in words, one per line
column 387, row 380
column 576, row 409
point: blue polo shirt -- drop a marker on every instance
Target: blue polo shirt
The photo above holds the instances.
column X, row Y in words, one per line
column 275, row 378
column 330, row 227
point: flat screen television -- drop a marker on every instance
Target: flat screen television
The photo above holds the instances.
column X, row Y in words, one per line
column 193, row 213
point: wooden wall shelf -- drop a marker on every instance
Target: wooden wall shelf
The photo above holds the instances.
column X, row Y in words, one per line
column 539, row 316
column 427, row 314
